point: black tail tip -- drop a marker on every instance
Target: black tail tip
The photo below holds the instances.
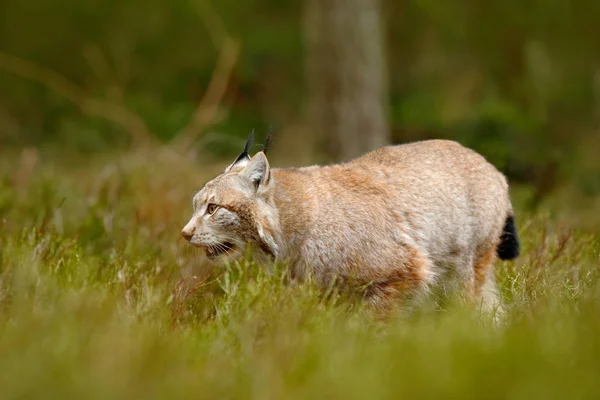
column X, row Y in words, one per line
column 509, row 247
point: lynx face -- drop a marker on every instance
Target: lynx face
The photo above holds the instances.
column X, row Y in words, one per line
column 233, row 209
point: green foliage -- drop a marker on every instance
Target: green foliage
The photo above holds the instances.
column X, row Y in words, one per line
column 517, row 82
column 92, row 304
column 154, row 57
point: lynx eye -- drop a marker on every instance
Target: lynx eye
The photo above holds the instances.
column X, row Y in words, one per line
column 212, row 208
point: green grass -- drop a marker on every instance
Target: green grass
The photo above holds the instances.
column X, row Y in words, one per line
column 100, row 299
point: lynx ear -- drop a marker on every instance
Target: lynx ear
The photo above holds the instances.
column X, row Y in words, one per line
column 257, row 171
column 243, row 158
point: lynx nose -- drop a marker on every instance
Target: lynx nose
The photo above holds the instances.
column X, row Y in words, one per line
column 187, row 234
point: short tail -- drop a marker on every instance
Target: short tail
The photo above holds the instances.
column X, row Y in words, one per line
column 509, row 247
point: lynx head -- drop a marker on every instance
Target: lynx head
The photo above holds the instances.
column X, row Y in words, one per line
column 235, row 208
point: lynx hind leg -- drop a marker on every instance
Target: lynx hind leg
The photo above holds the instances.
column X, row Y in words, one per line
column 465, row 284
column 485, row 290
column 403, row 287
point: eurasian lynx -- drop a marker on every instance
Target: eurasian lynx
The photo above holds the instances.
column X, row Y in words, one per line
column 400, row 220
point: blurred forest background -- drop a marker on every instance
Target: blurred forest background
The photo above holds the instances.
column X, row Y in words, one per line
column 517, row 81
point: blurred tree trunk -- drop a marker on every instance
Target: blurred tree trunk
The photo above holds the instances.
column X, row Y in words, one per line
column 346, row 75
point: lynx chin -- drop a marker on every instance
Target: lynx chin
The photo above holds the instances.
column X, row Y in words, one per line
column 398, row 222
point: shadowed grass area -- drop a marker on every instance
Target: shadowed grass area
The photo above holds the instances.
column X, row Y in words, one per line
column 100, row 299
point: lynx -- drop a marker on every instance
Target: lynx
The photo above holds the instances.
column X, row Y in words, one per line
column 401, row 221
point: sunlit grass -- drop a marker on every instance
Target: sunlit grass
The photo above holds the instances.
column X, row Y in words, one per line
column 100, row 299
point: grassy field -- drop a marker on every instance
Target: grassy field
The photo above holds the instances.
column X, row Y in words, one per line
column 100, row 298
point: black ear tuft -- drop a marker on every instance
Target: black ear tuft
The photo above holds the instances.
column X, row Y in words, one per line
column 244, row 155
column 267, row 143
column 249, row 142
